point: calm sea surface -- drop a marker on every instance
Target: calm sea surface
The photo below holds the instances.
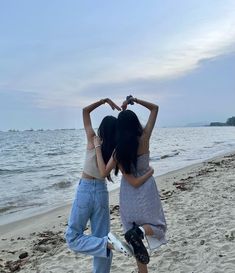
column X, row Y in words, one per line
column 40, row 169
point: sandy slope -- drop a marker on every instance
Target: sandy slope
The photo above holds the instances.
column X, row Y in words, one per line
column 199, row 202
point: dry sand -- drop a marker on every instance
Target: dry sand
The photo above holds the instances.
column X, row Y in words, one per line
column 199, row 203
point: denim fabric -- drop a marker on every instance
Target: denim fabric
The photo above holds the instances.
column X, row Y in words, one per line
column 91, row 203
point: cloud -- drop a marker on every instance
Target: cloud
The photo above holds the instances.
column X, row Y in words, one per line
column 79, row 77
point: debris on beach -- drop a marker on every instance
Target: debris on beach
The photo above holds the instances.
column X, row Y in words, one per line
column 180, row 186
column 47, row 240
column 166, row 194
column 230, row 236
column 23, row 255
column 14, row 266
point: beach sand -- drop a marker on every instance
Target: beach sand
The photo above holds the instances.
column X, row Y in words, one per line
column 199, row 204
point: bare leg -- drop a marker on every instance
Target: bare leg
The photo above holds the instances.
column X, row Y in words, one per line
column 158, row 232
column 148, row 230
column 110, row 246
column 142, row 268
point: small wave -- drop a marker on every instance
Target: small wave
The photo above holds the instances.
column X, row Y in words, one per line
column 11, row 208
column 169, row 155
column 55, row 175
column 18, row 171
column 61, row 185
column 7, row 208
column 218, row 142
column 26, row 169
column 208, row 147
column 55, row 153
column 155, row 158
column 8, row 171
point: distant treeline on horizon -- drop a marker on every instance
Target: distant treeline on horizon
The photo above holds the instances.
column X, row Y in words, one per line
column 229, row 122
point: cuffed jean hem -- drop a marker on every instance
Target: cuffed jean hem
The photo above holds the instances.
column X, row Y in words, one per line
column 88, row 244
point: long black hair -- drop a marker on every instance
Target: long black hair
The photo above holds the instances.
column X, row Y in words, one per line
column 107, row 133
column 128, row 133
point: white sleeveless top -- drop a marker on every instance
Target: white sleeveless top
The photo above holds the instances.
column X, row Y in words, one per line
column 90, row 166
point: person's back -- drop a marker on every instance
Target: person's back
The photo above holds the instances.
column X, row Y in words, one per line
column 86, row 206
column 142, row 165
column 139, row 202
column 90, row 167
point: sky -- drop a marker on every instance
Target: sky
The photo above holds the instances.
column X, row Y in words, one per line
column 58, row 56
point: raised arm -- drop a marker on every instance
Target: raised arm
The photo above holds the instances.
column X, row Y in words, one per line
column 153, row 108
column 104, row 169
column 90, row 133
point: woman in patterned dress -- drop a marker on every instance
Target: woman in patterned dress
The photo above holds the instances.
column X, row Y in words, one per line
column 140, row 205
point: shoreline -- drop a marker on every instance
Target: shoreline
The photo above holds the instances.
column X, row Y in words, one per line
column 47, row 213
column 113, row 198
column 198, row 201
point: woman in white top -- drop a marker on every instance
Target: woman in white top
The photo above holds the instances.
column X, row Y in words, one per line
column 91, row 200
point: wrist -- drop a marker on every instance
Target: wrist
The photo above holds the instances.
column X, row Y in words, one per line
column 97, row 146
column 130, row 99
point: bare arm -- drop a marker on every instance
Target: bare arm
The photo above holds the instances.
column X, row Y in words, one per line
column 153, row 108
column 87, row 119
column 105, row 169
column 90, row 133
column 138, row 181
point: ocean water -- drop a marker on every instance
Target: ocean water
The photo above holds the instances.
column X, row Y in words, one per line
column 39, row 170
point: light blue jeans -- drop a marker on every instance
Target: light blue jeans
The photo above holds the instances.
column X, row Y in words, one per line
column 91, row 203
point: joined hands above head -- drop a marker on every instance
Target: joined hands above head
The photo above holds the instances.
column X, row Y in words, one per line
column 129, row 100
column 112, row 104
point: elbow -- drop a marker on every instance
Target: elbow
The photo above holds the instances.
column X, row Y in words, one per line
column 103, row 174
column 84, row 110
column 155, row 107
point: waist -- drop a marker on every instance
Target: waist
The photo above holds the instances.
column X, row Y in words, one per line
column 95, row 183
column 91, row 177
column 91, row 171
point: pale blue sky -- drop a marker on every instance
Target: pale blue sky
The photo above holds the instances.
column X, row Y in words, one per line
column 58, row 56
